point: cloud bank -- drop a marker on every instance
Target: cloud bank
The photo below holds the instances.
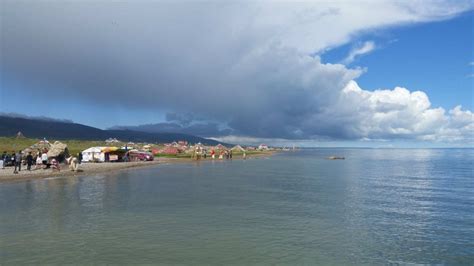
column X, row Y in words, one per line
column 43, row 118
column 241, row 69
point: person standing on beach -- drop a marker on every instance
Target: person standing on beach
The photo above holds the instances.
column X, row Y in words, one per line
column 12, row 158
column 17, row 162
column 3, row 160
column 29, row 161
column 79, row 157
column 44, row 159
column 38, row 161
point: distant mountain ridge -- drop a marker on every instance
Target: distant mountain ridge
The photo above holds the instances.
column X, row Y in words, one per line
column 56, row 129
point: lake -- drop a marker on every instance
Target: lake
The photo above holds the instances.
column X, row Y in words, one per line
column 377, row 206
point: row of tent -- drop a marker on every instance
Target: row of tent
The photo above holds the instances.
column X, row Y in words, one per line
column 113, row 154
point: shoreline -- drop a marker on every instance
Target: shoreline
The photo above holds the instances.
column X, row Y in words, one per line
column 7, row 175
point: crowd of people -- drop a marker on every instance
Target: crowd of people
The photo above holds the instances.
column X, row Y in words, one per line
column 227, row 154
column 39, row 161
column 200, row 152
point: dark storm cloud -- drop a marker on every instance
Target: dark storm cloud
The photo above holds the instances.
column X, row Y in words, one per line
column 185, row 123
column 245, row 67
column 203, row 129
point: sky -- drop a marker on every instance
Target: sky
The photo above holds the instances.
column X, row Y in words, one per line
column 315, row 73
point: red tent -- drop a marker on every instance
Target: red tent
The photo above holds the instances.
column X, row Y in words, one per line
column 170, row 150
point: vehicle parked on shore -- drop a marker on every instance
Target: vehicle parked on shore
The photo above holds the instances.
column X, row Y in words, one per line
column 141, row 156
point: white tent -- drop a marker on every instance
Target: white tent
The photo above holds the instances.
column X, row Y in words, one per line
column 93, row 154
column 238, row 148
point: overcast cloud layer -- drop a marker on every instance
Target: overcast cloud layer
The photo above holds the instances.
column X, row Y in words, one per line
column 241, row 69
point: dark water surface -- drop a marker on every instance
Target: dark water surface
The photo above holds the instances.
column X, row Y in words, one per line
column 378, row 206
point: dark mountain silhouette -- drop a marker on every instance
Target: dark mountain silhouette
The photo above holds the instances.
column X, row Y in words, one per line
column 56, row 129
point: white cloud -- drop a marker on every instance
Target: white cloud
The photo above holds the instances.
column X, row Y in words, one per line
column 399, row 113
column 358, row 51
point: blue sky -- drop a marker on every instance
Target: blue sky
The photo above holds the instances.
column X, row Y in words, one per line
column 308, row 71
column 432, row 57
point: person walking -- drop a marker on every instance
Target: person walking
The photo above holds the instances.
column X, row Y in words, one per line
column 29, row 161
column 17, row 162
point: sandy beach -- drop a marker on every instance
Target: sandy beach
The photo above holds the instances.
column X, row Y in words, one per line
column 7, row 175
column 84, row 169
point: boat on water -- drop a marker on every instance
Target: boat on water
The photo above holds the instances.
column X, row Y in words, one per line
column 336, row 158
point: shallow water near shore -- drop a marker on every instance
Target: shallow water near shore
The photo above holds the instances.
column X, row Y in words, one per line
column 378, row 206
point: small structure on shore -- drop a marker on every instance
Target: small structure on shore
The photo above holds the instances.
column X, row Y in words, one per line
column 103, row 154
column 20, row 135
column 183, row 143
column 58, row 150
column 237, row 148
column 220, row 147
column 93, row 154
column 263, row 147
column 169, row 151
column 39, row 147
column 111, row 141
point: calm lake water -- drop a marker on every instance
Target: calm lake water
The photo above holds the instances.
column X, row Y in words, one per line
column 378, row 206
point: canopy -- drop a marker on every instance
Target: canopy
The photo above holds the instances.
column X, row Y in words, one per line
column 109, row 149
